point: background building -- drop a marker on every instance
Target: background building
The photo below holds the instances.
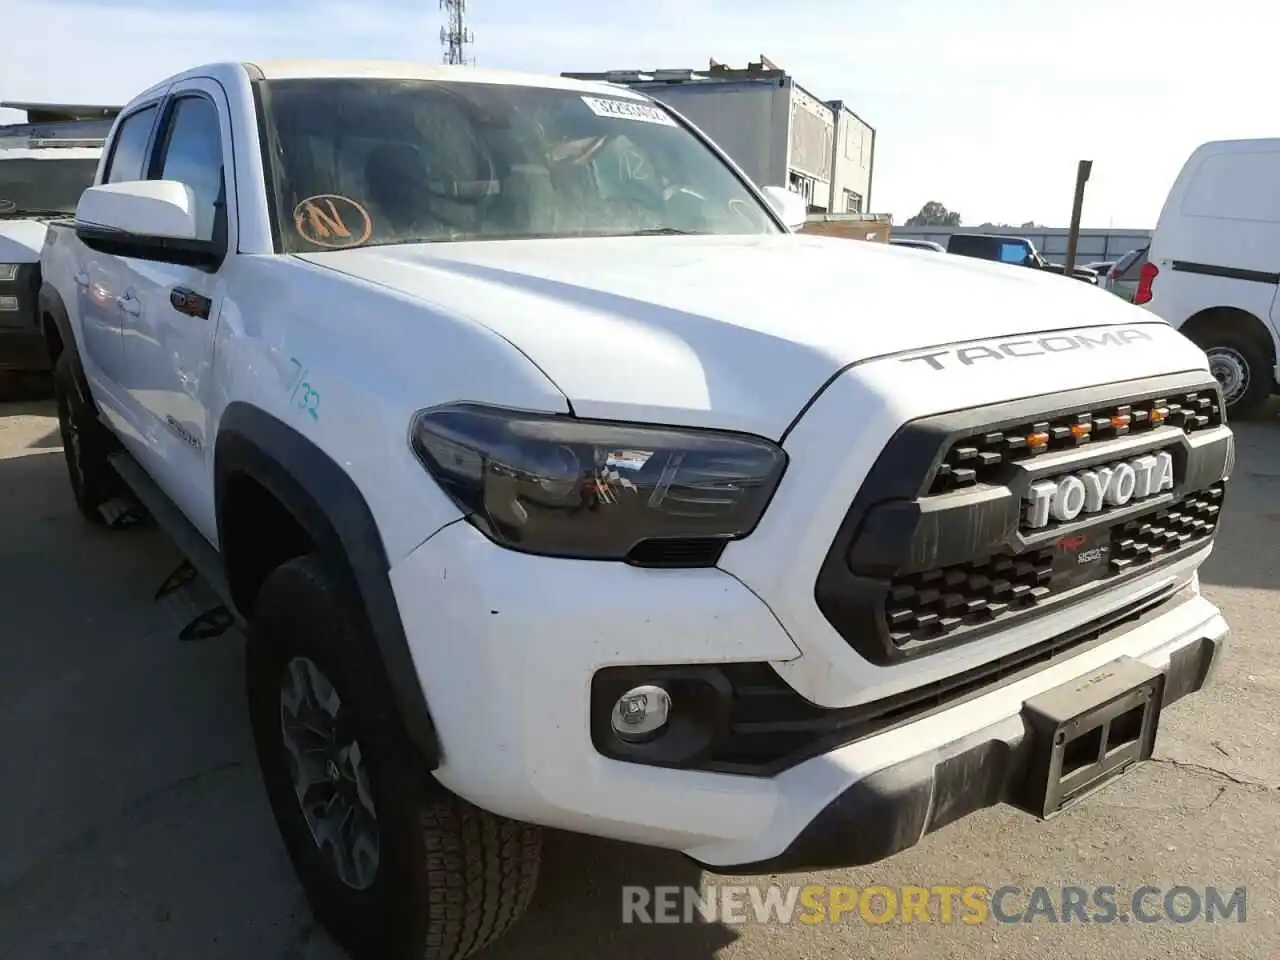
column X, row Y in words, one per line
column 853, row 162
column 778, row 132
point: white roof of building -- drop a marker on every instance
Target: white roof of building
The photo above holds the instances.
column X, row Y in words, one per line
column 50, row 153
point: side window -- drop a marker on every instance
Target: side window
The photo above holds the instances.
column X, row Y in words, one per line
column 1012, row 252
column 192, row 154
column 130, row 148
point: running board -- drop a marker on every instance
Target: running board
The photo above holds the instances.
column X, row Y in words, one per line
column 202, row 555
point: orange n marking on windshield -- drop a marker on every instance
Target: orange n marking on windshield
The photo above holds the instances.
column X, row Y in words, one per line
column 319, row 220
column 322, row 223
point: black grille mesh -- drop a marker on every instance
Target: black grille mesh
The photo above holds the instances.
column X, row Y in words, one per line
column 1138, row 542
column 925, row 607
column 976, row 459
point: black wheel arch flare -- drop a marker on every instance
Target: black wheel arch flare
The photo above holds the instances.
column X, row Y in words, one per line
column 328, row 505
column 49, row 303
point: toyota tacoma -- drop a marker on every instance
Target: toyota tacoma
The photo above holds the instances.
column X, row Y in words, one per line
column 553, row 486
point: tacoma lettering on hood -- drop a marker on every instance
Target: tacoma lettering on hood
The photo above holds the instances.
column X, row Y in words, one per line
column 1029, row 347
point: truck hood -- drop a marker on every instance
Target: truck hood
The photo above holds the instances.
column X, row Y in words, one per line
column 21, row 241
column 733, row 332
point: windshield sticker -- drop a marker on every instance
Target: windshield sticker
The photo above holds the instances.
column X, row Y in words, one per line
column 331, row 220
column 628, row 110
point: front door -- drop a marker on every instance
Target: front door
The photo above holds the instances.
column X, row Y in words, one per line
column 172, row 310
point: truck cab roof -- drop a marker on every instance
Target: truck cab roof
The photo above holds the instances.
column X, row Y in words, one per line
column 308, row 69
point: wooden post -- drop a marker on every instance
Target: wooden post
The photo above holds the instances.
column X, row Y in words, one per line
column 1083, row 170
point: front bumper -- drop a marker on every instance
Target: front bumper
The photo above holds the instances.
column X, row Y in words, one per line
column 894, row 808
column 22, row 346
column 23, row 350
column 506, row 647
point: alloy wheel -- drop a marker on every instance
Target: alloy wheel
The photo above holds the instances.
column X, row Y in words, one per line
column 329, row 775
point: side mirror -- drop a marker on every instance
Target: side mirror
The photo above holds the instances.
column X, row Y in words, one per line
column 146, row 219
column 789, row 205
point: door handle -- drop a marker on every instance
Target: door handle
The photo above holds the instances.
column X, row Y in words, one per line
column 187, row 301
column 82, row 279
column 130, row 305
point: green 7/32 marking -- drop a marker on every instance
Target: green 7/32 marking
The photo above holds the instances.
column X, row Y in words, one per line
column 302, row 394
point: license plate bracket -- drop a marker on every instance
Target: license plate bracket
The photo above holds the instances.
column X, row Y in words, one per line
column 1089, row 731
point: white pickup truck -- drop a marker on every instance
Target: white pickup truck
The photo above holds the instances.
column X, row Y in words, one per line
column 45, row 164
column 559, row 483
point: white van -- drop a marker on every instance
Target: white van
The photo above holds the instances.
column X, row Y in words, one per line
column 1214, row 264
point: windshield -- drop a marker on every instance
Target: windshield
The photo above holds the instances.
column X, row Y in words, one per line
column 30, row 186
column 362, row 162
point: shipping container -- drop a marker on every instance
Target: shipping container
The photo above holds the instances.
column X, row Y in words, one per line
column 779, row 133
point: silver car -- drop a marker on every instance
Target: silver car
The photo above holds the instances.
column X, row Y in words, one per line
column 918, row 244
column 1122, row 279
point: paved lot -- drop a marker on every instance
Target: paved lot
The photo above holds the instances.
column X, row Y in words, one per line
column 132, row 823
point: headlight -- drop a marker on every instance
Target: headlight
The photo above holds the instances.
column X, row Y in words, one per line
column 563, row 487
column 8, row 272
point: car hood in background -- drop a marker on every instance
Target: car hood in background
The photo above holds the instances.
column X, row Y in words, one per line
column 21, row 241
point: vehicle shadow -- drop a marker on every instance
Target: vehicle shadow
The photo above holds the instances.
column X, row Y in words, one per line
column 1247, row 553
column 578, row 909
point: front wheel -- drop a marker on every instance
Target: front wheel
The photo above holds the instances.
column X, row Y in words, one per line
column 394, row 866
column 1240, row 365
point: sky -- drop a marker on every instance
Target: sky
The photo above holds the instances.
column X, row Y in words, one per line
column 983, row 105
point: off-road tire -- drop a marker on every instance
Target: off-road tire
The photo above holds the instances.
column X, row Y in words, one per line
column 86, row 444
column 1253, row 355
column 451, row 877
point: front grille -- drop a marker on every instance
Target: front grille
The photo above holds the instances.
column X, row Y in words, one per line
column 929, row 557
column 977, row 458
column 923, row 608
column 18, row 298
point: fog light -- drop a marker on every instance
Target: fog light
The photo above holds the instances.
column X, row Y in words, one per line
column 8, row 304
column 641, row 713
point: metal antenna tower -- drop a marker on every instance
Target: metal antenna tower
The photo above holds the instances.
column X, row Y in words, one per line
column 454, row 35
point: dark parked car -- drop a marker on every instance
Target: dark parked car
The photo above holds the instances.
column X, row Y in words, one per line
column 1013, row 250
